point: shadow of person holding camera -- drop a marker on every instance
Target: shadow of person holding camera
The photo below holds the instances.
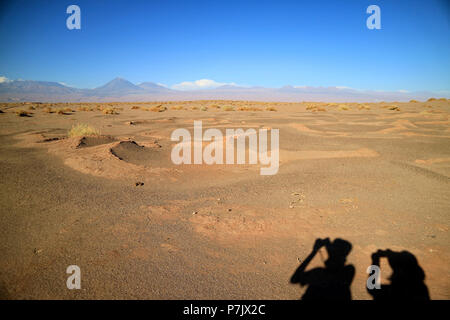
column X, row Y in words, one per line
column 407, row 278
column 331, row 282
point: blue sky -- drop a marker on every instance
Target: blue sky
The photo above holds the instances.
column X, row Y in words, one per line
column 261, row 43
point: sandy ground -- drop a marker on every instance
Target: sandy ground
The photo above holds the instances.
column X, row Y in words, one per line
column 372, row 174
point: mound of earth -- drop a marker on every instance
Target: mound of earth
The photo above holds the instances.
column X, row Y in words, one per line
column 85, row 142
column 134, row 153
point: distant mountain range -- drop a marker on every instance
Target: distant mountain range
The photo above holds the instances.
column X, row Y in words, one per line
column 120, row 89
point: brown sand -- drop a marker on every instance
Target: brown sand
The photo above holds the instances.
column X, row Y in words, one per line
column 376, row 177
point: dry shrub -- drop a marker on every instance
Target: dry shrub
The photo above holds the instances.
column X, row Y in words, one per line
column 134, row 107
column 271, row 109
column 343, row 107
column 22, row 113
column 85, row 108
column 394, row 108
column 413, row 101
column 82, row 130
column 158, row 108
column 249, row 109
column 109, row 111
column 176, row 108
column 194, row 108
column 363, row 107
column 204, row 108
column 228, row 108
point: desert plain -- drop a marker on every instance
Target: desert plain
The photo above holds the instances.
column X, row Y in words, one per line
column 140, row 227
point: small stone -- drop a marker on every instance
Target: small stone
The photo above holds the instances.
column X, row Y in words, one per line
column 194, row 212
column 229, row 210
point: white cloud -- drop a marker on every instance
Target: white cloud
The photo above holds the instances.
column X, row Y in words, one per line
column 4, row 79
column 199, row 84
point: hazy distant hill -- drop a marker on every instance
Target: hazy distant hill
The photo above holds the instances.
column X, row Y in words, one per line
column 153, row 87
column 39, row 87
column 120, row 89
column 116, row 87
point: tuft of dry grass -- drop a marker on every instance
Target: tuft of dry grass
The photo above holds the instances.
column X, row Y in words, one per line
column 176, row 108
column 31, row 108
column 343, row 107
column 431, row 99
column 248, row 109
column 85, row 108
column 194, row 108
column 315, row 108
column 228, row 108
column 271, row 109
column 135, row 108
column 363, row 107
column 109, row 111
column 413, row 101
column 48, row 110
column 394, row 108
column 82, row 130
column 23, row 113
column 158, row 108
column 204, row 108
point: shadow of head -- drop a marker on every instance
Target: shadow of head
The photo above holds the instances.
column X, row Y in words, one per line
column 405, row 267
column 338, row 251
column 331, row 282
column 406, row 280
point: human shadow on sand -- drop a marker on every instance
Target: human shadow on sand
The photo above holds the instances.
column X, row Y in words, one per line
column 406, row 280
column 331, row 282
